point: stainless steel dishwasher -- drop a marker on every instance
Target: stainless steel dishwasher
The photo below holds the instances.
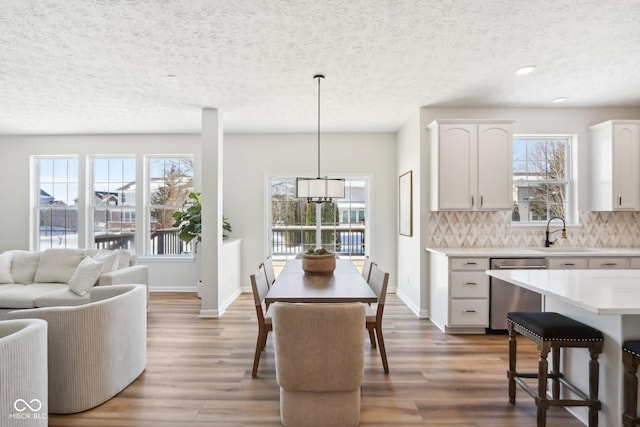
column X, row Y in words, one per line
column 505, row 297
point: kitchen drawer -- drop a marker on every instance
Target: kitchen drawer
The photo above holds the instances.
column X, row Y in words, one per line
column 608, row 263
column 567, row 263
column 469, row 284
column 634, row 263
column 469, row 264
column 471, row 312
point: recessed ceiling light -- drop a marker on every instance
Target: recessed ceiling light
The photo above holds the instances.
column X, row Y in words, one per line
column 561, row 99
column 526, row 70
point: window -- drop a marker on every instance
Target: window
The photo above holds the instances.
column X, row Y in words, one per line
column 113, row 202
column 170, row 181
column 541, row 178
column 57, row 203
column 294, row 227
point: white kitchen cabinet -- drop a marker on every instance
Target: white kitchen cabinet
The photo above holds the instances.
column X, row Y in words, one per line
column 471, row 165
column 634, row 263
column 614, row 148
column 459, row 293
column 613, row 263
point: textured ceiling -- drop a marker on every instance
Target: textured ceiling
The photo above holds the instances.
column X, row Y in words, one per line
column 102, row 66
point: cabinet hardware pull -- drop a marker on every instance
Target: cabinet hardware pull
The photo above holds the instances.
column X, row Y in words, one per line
column 470, row 283
column 470, row 263
column 472, row 201
column 568, row 264
column 610, row 263
column 481, row 201
column 469, row 311
column 619, row 201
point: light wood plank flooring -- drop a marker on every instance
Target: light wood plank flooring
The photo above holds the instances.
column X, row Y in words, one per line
column 199, row 374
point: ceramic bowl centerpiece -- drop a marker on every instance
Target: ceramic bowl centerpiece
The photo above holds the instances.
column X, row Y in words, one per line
column 319, row 262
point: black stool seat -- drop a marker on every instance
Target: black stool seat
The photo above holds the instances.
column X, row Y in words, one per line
column 549, row 326
column 632, row 346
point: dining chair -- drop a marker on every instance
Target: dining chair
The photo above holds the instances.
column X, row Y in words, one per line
column 366, row 268
column 269, row 271
column 378, row 281
column 259, row 286
column 319, row 353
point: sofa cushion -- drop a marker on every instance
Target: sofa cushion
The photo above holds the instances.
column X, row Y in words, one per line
column 61, row 297
column 24, row 296
column 5, row 268
column 24, row 265
column 58, row 265
column 109, row 260
column 124, row 256
column 85, row 276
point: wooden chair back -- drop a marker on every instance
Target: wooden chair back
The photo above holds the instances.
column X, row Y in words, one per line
column 366, row 268
column 378, row 281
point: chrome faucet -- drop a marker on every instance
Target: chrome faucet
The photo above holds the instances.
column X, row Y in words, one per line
column 547, row 242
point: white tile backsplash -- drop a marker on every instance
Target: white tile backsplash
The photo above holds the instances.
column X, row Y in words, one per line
column 493, row 229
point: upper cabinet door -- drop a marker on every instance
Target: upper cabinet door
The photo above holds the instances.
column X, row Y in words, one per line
column 495, row 165
column 457, row 165
column 625, row 171
column 614, row 151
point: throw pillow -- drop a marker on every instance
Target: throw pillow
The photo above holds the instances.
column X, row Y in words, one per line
column 58, row 265
column 85, row 276
column 5, row 268
column 123, row 258
column 109, row 259
column 24, row 265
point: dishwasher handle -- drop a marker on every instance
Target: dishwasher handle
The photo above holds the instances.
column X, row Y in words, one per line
column 521, row 267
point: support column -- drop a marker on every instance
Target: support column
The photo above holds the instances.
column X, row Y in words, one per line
column 210, row 250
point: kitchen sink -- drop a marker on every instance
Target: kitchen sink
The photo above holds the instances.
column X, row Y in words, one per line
column 565, row 249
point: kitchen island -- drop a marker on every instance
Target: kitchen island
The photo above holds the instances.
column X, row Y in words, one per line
column 608, row 300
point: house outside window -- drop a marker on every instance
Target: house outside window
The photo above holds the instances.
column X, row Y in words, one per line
column 56, row 206
column 169, row 182
column 113, row 201
column 542, row 184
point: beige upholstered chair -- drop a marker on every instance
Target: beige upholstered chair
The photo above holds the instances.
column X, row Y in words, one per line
column 94, row 350
column 378, row 280
column 259, row 286
column 23, row 373
column 319, row 363
column 366, row 268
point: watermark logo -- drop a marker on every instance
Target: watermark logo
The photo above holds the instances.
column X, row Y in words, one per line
column 28, row 410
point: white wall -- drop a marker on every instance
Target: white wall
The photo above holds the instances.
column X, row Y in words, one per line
column 250, row 158
column 409, row 256
column 15, row 179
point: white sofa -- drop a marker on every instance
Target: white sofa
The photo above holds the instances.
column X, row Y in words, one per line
column 23, row 373
column 62, row 277
column 94, row 350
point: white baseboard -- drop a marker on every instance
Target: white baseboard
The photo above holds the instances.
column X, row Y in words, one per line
column 423, row 314
column 209, row 313
column 192, row 289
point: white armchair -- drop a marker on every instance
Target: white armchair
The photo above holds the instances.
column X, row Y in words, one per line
column 23, row 373
column 96, row 349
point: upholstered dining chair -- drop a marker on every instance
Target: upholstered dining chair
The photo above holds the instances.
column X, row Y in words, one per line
column 378, row 281
column 259, row 286
column 366, row 268
column 319, row 362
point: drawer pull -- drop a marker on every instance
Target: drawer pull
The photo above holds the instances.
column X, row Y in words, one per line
column 470, row 263
column 568, row 264
column 610, row 263
column 470, row 283
column 470, row 311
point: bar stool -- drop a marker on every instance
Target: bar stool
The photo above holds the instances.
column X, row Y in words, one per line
column 551, row 332
column 630, row 359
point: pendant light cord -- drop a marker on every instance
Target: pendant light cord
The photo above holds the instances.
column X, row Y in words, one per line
column 318, row 76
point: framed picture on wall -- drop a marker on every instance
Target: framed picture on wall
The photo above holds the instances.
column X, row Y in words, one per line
column 405, row 199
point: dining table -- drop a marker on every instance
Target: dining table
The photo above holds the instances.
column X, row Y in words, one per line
column 346, row 284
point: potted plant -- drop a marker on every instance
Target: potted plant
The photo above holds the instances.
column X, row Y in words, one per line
column 189, row 223
column 319, row 262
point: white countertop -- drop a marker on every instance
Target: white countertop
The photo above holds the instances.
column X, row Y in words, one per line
column 597, row 291
column 542, row 252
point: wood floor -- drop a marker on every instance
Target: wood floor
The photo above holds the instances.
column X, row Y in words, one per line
column 199, row 374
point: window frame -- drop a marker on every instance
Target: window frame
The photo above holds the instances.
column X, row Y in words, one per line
column 570, row 181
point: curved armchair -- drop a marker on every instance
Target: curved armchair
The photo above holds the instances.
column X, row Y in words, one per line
column 23, row 373
column 96, row 349
column 319, row 362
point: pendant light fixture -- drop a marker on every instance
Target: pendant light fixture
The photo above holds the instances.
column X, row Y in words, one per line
column 320, row 189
